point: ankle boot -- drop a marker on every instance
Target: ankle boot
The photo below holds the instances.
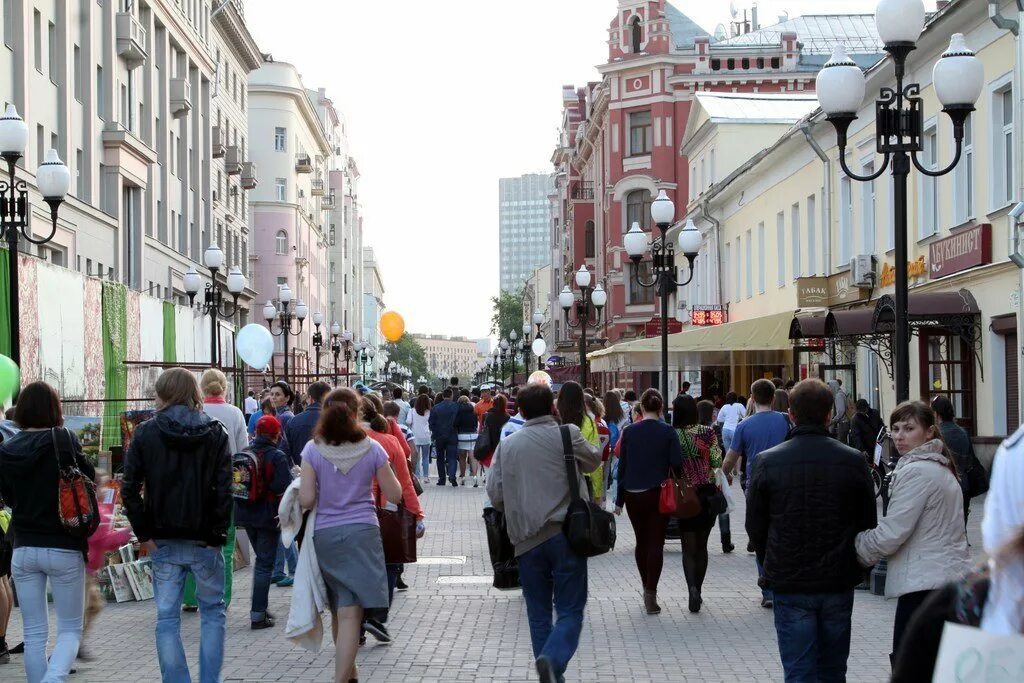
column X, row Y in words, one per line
column 727, row 546
column 651, row 602
column 695, row 600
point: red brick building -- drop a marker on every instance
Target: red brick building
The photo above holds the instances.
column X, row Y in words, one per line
column 620, row 136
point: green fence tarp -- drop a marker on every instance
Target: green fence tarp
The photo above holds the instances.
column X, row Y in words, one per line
column 170, row 338
column 115, row 353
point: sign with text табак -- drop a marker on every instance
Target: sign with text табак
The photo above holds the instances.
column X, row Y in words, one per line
column 966, row 249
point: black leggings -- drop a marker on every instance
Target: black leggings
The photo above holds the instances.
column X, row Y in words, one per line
column 649, row 526
column 695, row 555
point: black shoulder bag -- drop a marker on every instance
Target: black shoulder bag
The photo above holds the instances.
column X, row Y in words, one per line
column 590, row 530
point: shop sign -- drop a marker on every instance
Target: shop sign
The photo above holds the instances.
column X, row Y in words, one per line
column 914, row 269
column 961, row 251
column 823, row 292
column 707, row 316
column 652, row 328
column 842, row 291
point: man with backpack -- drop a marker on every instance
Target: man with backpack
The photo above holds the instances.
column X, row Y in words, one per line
column 261, row 474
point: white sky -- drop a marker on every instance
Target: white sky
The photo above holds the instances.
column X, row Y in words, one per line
column 440, row 105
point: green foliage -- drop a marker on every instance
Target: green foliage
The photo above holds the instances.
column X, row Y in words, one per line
column 407, row 351
column 507, row 313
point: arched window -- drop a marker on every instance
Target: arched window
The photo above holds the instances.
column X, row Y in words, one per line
column 638, row 210
column 281, row 242
column 589, row 240
column 636, row 34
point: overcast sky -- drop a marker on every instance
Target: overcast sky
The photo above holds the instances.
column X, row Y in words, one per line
column 440, row 105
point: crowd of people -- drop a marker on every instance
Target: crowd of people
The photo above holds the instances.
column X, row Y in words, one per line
column 329, row 489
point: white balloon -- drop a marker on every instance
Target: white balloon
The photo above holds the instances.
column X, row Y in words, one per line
column 255, row 345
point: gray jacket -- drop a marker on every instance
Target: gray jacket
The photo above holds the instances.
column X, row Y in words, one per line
column 923, row 533
column 527, row 480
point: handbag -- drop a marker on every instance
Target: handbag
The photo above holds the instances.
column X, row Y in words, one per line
column 977, row 476
column 678, row 498
column 397, row 533
column 589, row 529
column 77, row 506
column 483, row 443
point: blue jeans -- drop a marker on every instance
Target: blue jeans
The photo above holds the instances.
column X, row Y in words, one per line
column 423, row 468
column 727, row 434
column 283, row 555
column 265, row 543
column 447, row 459
column 65, row 569
column 814, row 635
column 171, row 562
column 553, row 575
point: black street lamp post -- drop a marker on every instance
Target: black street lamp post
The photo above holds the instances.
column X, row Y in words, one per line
column 588, row 312
column 213, row 299
column 958, row 78
column 284, row 318
column 52, row 179
column 335, row 348
column 539, row 346
column 318, row 339
column 663, row 254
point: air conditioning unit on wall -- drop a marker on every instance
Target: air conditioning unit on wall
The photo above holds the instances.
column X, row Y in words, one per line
column 862, row 270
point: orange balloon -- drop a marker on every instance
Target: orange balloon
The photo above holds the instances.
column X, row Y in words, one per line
column 392, row 326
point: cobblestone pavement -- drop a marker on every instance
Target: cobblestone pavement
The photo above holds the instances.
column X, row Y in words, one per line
column 452, row 626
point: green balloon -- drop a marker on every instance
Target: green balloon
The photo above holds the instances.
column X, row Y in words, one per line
column 10, row 379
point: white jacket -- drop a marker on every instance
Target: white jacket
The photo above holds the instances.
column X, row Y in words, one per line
column 1004, row 518
column 309, row 594
column 923, row 532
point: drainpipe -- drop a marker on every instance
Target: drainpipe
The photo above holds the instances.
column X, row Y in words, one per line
column 805, row 128
column 1013, row 26
column 706, row 215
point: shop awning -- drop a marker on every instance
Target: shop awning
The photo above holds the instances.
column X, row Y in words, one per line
column 856, row 322
column 767, row 333
column 946, row 309
column 808, row 324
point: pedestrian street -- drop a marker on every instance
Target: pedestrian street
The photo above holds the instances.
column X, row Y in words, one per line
column 452, row 626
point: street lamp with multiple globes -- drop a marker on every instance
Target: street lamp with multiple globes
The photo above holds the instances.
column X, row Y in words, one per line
column 364, row 354
column 284, row 318
column 591, row 299
column 524, row 347
column 495, row 362
column 513, row 351
column 318, row 339
column 636, row 241
column 336, row 340
column 52, row 179
column 538, row 321
column 503, row 346
column 958, row 77
column 213, row 300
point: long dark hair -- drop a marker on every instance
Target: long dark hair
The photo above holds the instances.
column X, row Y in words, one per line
column 422, row 404
column 570, row 404
column 684, row 411
column 376, row 421
column 705, row 413
column 339, row 419
column 612, row 407
column 500, row 404
column 922, row 414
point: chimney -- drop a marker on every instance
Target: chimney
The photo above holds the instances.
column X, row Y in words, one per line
column 753, row 18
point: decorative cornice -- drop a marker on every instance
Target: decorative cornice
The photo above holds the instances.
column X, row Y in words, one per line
column 232, row 26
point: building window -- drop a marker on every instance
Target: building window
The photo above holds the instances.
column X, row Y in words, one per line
column 636, row 34
column 780, row 241
column 77, row 75
column 929, row 223
column 845, row 221
column 796, row 238
column 761, row 258
column 641, row 134
column 281, row 243
column 280, row 139
column 638, row 210
column 8, row 20
column 589, row 238
column 738, row 284
column 51, row 50
column 79, row 174
column 711, row 167
column 1002, row 148
column 100, row 98
column 37, row 34
column 963, row 178
column 640, row 295
column 281, row 189
column 812, row 236
column 750, row 266
column 867, row 210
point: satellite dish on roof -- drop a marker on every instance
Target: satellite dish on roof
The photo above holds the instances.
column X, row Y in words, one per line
column 720, row 33
column 732, row 9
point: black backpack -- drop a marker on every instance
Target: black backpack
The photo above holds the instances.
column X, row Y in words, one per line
column 590, row 529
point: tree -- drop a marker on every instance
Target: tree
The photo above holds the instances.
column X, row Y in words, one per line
column 408, row 352
column 507, row 314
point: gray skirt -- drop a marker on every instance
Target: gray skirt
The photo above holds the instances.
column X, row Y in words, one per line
column 351, row 560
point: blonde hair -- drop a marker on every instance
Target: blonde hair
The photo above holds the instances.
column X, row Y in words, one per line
column 213, row 383
column 178, row 386
column 463, row 399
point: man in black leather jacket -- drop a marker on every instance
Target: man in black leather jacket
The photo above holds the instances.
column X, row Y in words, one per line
column 806, row 500
column 177, row 495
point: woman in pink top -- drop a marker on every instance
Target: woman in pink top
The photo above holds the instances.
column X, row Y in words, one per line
column 338, row 468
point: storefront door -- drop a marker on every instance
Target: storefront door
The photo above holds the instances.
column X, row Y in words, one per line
column 847, row 374
column 947, row 369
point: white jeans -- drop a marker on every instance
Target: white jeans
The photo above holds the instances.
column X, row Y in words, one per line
column 65, row 569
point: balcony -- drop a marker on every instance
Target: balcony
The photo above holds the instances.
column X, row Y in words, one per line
column 317, row 187
column 303, row 163
column 217, row 141
column 232, row 160
column 181, row 97
column 583, row 190
column 131, row 39
column 248, row 179
column 328, row 203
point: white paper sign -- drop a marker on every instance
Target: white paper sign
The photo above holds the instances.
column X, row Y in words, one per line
column 969, row 655
column 878, row 454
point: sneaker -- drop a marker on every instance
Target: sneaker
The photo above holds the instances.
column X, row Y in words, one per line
column 278, row 578
column 18, row 649
column 462, row 481
column 401, row 585
column 546, row 670
column 266, row 622
column 454, row 481
column 286, row 582
column 767, row 603
column 376, row 629
column 189, row 608
column 441, row 483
